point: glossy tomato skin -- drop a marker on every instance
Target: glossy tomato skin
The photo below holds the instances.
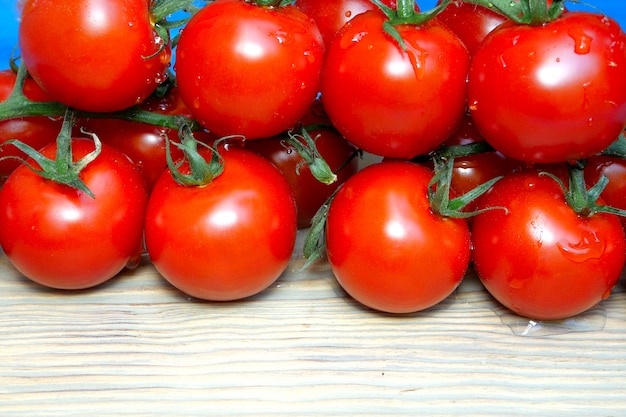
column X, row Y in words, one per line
column 392, row 103
column 542, row 260
column 63, row 238
column 249, row 70
column 34, row 131
column 551, row 93
column 227, row 240
column 331, row 15
column 93, row 55
column 471, row 22
column 614, row 168
column 386, row 247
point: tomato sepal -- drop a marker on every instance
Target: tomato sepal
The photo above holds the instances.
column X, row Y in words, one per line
column 62, row 169
column 201, row 171
column 304, row 144
column 439, row 188
column 584, row 201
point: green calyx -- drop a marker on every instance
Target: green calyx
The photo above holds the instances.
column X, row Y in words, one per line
column 440, row 185
column 200, row 171
column 582, row 200
column 63, row 169
column 530, row 12
column 304, row 144
column 405, row 14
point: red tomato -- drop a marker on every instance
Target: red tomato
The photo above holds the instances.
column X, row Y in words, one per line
column 93, row 55
column 614, row 169
column 309, row 193
column 386, row 247
column 229, row 239
column 34, row 131
column 145, row 144
column 471, row 22
column 331, row 15
column 63, row 238
column 551, row 93
column 542, row 260
column 390, row 102
column 248, row 70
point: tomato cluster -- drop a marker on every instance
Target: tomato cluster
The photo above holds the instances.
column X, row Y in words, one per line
column 493, row 126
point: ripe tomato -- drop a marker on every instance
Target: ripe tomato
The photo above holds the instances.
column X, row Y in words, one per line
column 542, row 260
column 93, row 55
column 229, row 239
column 471, row 22
column 331, row 15
column 145, row 144
column 551, row 93
column 63, row 238
column 614, row 169
column 385, row 245
column 309, row 193
column 248, row 70
column 34, row 131
column 390, row 102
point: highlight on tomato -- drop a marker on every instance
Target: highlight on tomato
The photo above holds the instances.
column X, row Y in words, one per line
column 550, row 92
column 226, row 234
column 249, row 68
column 98, row 55
column 72, row 216
column 546, row 258
column 386, row 245
column 394, row 82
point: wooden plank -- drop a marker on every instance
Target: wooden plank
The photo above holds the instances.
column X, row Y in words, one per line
column 136, row 346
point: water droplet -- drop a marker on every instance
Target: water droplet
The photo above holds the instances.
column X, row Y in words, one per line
column 582, row 41
column 590, row 122
column 196, row 103
column 418, row 57
column 282, row 37
column 517, row 283
column 606, row 294
column 310, row 56
column 515, row 40
column 347, row 41
column 590, row 246
column 473, row 106
column 558, row 60
column 502, row 61
column 348, row 14
column 131, row 24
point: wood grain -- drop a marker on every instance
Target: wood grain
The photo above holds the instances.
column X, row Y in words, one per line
column 135, row 346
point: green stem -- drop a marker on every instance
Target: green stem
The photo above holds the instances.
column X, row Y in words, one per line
column 162, row 9
column 538, row 11
column 406, row 9
column 17, row 106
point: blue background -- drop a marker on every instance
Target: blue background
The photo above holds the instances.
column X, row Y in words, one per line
column 9, row 20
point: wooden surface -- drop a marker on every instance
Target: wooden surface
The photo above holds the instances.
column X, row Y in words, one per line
column 137, row 347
